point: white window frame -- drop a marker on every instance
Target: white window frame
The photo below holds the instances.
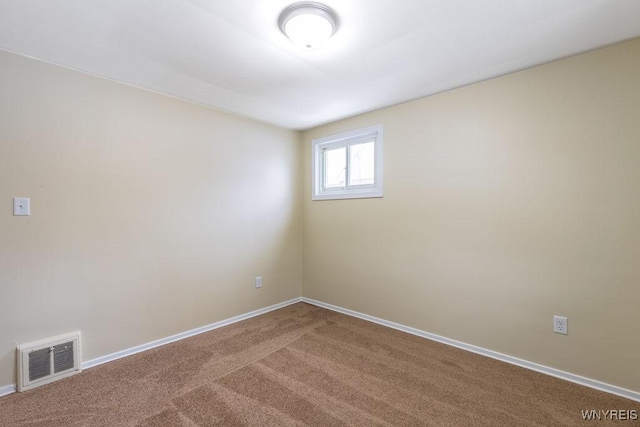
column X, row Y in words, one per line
column 344, row 140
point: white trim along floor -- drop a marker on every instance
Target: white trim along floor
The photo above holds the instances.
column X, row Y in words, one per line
column 598, row 385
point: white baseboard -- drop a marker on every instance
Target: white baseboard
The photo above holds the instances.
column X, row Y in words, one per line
column 7, row 390
column 128, row 352
column 598, row 385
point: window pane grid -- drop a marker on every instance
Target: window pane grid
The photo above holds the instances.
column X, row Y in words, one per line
column 349, row 166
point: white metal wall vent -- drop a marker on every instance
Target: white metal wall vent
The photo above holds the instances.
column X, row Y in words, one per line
column 48, row 360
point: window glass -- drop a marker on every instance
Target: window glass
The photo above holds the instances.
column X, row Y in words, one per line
column 361, row 162
column 335, row 167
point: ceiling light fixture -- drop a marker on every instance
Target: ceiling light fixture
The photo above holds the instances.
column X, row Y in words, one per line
column 308, row 24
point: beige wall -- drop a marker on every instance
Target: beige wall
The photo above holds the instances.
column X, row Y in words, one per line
column 506, row 202
column 150, row 216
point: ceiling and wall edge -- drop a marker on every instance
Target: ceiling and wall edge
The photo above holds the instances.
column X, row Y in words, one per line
column 306, row 129
column 134, row 86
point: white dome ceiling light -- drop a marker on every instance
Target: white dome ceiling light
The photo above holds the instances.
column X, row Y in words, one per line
column 308, row 24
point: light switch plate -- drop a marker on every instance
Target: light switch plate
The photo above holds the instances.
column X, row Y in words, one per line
column 21, row 206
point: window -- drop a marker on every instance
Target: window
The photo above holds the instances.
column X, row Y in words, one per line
column 348, row 166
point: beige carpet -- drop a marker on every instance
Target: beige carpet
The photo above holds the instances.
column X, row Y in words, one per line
column 304, row 365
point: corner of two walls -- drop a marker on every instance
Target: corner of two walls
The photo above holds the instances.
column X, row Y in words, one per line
column 150, row 216
column 506, row 202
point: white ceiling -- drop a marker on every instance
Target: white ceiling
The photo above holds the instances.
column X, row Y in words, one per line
column 231, row 55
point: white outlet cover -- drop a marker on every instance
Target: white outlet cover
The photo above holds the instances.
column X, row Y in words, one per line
column 258, row 281
column 560, row 325
column 21, row 206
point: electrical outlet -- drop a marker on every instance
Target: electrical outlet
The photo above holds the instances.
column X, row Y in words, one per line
column 258, row 282
column 560, row 325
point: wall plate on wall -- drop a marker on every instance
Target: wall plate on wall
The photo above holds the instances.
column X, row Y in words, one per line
column 21, row 206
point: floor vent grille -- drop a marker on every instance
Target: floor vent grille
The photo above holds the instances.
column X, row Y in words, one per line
column 48, row 360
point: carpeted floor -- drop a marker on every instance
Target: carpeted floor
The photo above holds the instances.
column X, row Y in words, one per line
column 304, row 365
